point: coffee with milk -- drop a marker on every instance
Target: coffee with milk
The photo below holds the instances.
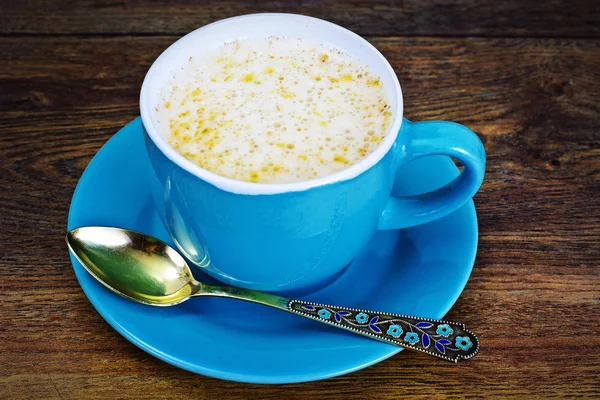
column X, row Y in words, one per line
column 276, row 110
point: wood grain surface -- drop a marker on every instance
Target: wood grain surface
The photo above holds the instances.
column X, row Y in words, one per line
column 575, row 18
column 524, row 75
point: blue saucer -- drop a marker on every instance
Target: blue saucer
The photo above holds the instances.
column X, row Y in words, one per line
column 417, row 271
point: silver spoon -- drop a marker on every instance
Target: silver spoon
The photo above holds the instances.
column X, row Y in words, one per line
column 147, row 270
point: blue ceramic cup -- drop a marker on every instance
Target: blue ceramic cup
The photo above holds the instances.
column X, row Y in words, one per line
column 286, row 237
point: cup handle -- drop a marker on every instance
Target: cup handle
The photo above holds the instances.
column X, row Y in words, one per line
column 421, row 139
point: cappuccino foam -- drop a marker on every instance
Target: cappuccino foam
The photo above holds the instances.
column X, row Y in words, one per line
column 276, row 110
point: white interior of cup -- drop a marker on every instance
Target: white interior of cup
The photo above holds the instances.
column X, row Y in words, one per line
column 260, row 26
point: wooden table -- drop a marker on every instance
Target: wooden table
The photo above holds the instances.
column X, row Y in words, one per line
column 525, row 75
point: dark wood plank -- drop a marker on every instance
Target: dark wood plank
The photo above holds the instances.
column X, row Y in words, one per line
column 533, row 295
column 557, row 18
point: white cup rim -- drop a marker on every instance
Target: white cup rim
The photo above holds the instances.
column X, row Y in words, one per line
column 251, row 188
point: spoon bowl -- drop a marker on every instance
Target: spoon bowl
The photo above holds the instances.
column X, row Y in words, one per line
column 146, row 270
column 136, row 266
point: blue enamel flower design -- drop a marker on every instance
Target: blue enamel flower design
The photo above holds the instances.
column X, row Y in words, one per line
column 411, row 337
column 463, row 343
column 444, row 330
column 394, row 330
column 362, row 317
column 324, row 314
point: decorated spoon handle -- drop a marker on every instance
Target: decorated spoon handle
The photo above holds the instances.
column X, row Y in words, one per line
column 447, row 340
column 444, row 339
